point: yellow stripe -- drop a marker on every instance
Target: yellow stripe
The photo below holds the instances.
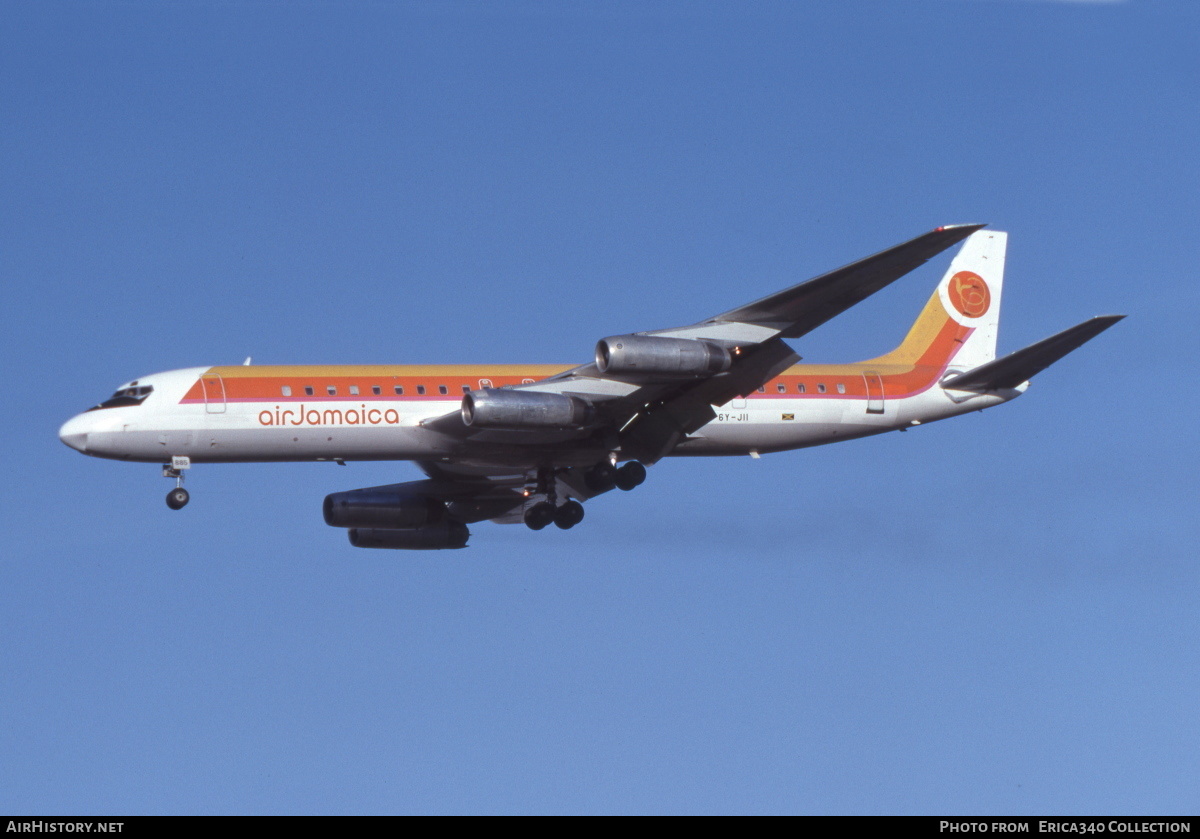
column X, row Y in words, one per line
column 903, row 359
column 529, row 371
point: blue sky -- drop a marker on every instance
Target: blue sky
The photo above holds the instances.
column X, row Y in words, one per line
column 995, row 614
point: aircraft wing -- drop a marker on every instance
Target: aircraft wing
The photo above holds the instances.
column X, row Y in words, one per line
column 802, row 308
column 652, row 413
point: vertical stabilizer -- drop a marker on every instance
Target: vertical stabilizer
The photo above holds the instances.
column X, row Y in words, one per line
column 960, row 322
column 970, row 295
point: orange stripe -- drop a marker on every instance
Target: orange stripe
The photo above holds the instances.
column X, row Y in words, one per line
column 912, row 367
column 244, row 382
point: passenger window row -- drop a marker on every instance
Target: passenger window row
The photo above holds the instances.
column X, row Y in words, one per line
column 398, row 390
column 377, row 390
column 802, row 388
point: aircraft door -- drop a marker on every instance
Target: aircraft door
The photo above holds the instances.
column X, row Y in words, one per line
column 874, row 383
column 214, row 394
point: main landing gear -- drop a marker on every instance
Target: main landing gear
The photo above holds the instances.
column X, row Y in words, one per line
column 600, row 478
column 177, row 498
column 544, row 513
column 541, row 514
column 604, row 476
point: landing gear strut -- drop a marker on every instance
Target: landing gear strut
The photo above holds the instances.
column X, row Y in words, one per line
column 177, row 498
column 541, row 514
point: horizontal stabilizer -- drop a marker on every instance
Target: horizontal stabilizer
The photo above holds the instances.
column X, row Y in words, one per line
column 1023, row 365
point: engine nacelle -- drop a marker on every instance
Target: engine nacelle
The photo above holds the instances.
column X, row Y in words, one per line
column 395, row 506
column 659, row 356
column 432, row 537
column 524, row 409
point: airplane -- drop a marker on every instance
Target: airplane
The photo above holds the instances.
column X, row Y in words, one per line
column 530, row 443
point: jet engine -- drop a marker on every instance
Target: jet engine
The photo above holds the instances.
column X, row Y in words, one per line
column 659, row 356
column 516, row 409
column 431, row 537
column 389, row 507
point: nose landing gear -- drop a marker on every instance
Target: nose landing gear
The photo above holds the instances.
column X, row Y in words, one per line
column 177, row 498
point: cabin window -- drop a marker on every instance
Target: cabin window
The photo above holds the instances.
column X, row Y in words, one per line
column 354, row 390
column 286, row 390
column 308, row 391
column 800, row 388
column 331, row 390
column 841, row 388
column 442, row 390
column 420, row 390
column 376, row 389
column 762, row 389
column 466, row 388
column 781, row 388
column 399, row 390
column 820, row 388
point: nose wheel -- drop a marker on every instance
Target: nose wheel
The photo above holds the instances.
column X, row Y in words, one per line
column 177, row 498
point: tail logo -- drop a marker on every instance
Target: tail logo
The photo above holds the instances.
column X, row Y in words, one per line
column 969, row 294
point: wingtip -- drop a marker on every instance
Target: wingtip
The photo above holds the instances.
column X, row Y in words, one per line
column 971, row 228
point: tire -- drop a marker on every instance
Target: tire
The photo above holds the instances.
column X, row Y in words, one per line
column 177, row 498
column 568, row 515
column 630, row 475
column 539, row 515
column 601, row 477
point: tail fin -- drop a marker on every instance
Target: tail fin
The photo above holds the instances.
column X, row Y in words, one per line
column 962, row 318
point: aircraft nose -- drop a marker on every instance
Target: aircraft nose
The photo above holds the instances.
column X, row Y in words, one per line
column 74, row 434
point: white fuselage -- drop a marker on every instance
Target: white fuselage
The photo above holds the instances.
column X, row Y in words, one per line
column 367, row 426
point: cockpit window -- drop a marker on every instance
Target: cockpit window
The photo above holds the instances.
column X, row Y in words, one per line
column 125, row 397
